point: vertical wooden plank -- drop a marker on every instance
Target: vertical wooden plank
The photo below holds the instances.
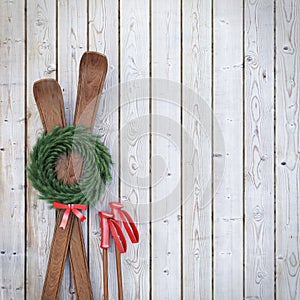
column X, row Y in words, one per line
column 166, row 149
column 134, row 139
column 12, row 158
column 287, row 149
column 41, row 62
column 259, row 149
column 103, row 37
column 228, row 110
column 71, row 44
column 196, row 149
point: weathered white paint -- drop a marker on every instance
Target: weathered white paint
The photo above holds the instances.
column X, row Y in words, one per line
column 287, row 149
column 103, row 37
column 197, row 250
column 41, row 62
column 228, row 109
column 259, row 149
column 196, row 149
column 165, row 152
column 12, row 156
column 134, row 140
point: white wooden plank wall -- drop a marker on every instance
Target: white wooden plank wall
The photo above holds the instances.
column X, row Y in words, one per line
column 165, row 152
column 103, row 37
column 197, row 150
column 209, row 169
column 12, row 155
column 134, row 139
column 287, row 149
column 40, row 63
column 259, row 149
column 228, row 109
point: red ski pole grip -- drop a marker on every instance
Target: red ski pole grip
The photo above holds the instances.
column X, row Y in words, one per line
column 121, row 216
column 117, row 235
column 105, row 232
column 116, row 208
column 130, row 226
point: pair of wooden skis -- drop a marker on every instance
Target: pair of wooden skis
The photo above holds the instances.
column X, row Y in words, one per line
column 49, row 100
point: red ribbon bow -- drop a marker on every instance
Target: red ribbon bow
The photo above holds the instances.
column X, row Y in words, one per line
column 70, row 208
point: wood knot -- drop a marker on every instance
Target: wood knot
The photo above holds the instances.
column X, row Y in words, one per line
column 258, row 213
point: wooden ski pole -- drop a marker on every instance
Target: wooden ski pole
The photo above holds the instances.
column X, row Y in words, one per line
column 122, row 217
column 119, row 274
column 109, row 225
column 105, row 244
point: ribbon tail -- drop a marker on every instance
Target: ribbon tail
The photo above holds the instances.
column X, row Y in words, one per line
column 78, row 214
column 65, row 218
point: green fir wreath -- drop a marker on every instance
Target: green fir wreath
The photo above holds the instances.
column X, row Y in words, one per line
column 45, row 153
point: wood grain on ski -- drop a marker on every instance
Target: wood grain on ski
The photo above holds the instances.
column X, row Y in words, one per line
column 49, row 100
column 92, row 73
